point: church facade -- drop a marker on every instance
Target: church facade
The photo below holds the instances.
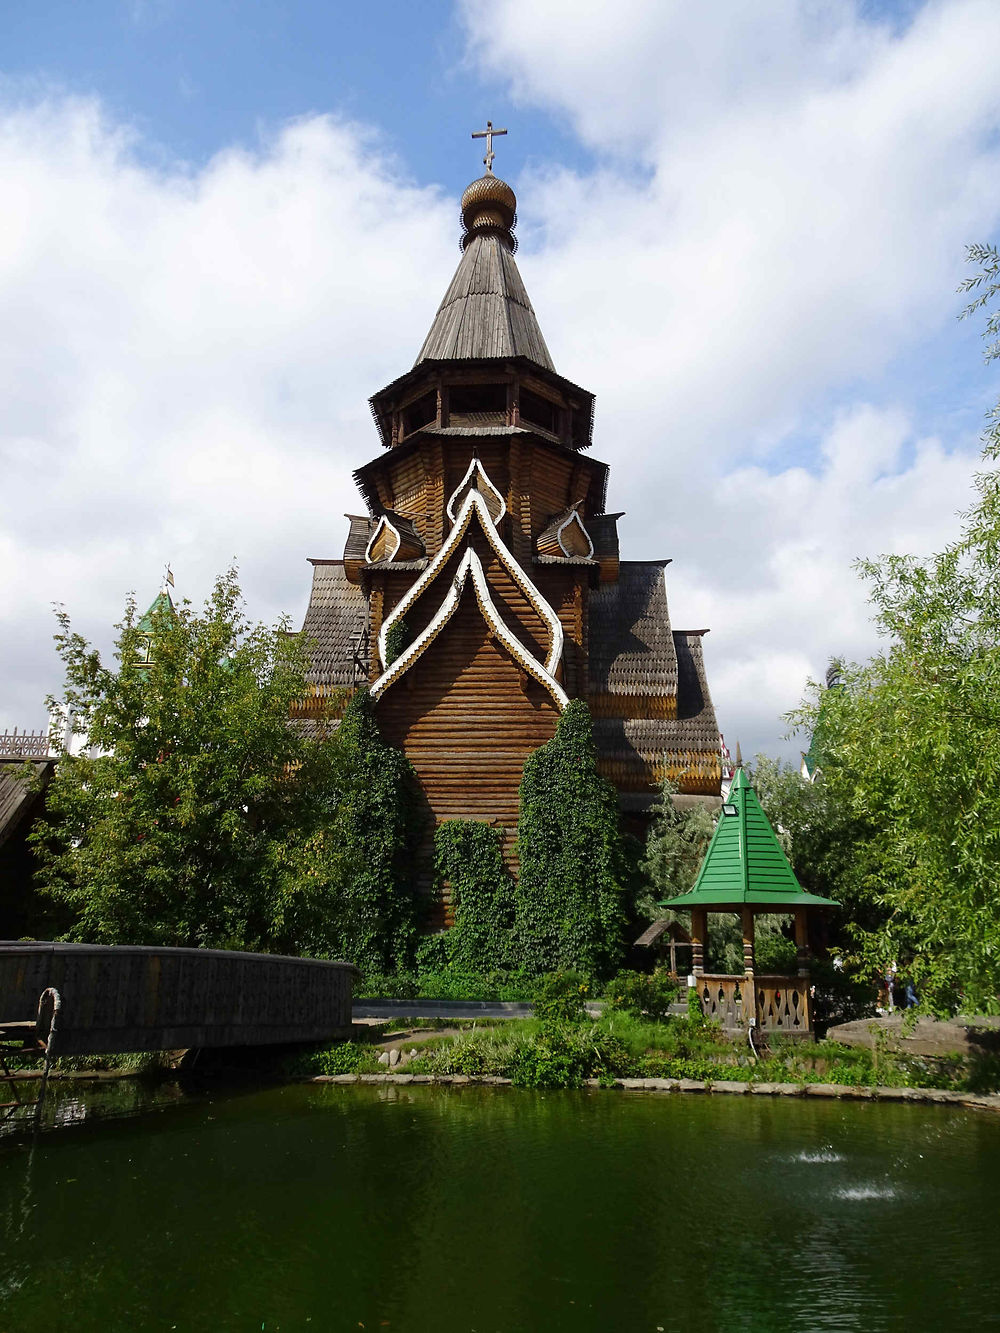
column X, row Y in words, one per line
column 481, row 585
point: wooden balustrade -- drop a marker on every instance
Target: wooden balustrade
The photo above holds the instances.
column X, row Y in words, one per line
column 24, row 744
column 783, row 1005
column 782, row 1002
column 725, row 1000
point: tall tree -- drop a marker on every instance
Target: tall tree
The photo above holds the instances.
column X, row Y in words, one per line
column 192, row 817
column 912, row 743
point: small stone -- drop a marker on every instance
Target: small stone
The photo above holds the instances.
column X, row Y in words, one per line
column 383, row 1058
column 411, row 1052
column 394, row 1057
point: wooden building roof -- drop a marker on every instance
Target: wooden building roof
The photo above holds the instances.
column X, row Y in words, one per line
column 486, row 312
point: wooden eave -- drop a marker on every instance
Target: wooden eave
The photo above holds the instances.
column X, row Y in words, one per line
column 431, row 374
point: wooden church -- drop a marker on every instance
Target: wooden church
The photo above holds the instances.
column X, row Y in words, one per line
column 482, row 586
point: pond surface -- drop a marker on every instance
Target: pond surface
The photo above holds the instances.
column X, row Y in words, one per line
column 440, row 1209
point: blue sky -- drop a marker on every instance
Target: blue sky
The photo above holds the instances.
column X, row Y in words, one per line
column 197, row 76
column 224, row 225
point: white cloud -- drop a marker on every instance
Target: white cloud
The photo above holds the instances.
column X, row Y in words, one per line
column 778, row 213
column 185, row 359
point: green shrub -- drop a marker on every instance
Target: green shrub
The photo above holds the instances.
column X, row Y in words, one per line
column 468, row 857
column 561, row 996
column 644, row 995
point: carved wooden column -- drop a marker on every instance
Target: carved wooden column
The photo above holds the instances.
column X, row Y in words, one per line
column 802, row 957
column 699, row 935
column 802, row 941
column 750, row 999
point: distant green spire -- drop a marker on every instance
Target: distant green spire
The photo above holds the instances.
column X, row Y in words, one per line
column 745, row 862
column 162, row 603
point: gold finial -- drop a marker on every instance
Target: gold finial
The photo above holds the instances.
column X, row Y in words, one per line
column 488, row 134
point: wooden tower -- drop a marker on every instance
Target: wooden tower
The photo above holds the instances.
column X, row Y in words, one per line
column 483, row 588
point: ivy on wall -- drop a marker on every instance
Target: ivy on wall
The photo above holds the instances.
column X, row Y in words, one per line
column 397, row 640
column 378, row 826
column 468, row 855
column 569, row 896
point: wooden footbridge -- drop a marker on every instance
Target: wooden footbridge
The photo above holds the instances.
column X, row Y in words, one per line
column 116, row 998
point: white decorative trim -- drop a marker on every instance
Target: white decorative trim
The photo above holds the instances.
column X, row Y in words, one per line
column 383, row 522
column 471, row 564
column 474, row 502
column 474, row 467
column 574, row 517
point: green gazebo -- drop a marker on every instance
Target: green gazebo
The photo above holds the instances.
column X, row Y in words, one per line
column 745, row 871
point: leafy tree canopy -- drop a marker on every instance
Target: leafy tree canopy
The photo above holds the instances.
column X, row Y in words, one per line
column 911, row 745
column 194, row 817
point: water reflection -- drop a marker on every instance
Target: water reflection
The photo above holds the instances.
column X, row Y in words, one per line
column 446, row 1209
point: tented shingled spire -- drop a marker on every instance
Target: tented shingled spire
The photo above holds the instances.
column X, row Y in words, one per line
column 486, row 313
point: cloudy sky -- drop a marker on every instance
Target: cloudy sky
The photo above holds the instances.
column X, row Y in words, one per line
column 224, row 225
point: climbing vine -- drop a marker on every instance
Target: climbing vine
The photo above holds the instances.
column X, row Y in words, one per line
column 397, row 640
column 468, row 856
column 569, row 896
column 377, row 827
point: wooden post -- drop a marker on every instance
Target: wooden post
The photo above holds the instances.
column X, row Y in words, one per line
column 750, row 1005
column 802, row 953
column 802, row 941
column 699, row 934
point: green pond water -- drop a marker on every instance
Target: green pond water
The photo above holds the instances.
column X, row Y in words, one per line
column 315, row 1207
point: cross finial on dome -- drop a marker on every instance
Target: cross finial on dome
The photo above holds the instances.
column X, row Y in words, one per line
column 488, row 134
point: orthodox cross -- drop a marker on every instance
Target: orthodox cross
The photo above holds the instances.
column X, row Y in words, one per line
column 488, row 134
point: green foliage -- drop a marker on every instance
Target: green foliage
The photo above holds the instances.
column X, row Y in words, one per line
column 446, row 983
column 196, row 817
column 642, row 994
column 562, row 997
column 569, row 896
column 911, row 745
column 397, row 640
column 377, row 828
column 346, row 1057
column 468, row 855
column 675, row 847
column 562, row 1055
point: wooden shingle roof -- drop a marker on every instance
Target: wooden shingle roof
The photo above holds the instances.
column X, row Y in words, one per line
column 336, row 616
column 486, row 312
column 631, row 645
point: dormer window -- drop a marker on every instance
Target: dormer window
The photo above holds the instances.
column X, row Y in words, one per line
column 477, row 405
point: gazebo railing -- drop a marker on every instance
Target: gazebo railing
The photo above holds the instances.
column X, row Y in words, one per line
column 782, row 1002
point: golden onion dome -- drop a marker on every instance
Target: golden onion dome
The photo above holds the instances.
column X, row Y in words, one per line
column 489, row 189
column 489, row 205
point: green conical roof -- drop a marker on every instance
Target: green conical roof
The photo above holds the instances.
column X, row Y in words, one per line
column 162, row 602
column 744, row 862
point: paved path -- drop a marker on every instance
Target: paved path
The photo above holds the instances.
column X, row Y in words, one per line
column 389, row 1009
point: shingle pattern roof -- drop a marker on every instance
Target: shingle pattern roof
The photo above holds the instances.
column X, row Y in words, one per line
column 603, row 529
column 631, row 647
column 485, row 312
column 358, row 537
column 694, row 728
column 336, row 613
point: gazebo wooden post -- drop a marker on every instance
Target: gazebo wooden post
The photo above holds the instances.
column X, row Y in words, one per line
column 699, row 936
column 749, row 964
column 802, row 956
column 802, row 940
